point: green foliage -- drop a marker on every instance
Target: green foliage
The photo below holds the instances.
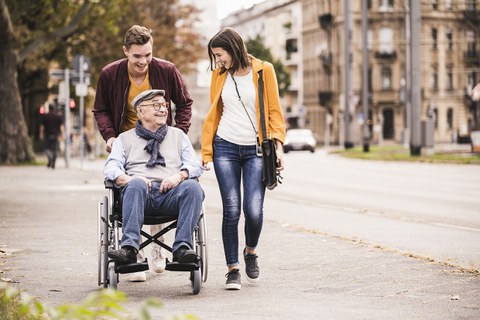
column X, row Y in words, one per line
column 257, row 48
column 104, row 304
column 47, row 34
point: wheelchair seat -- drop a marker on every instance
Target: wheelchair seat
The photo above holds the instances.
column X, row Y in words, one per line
column 109, row 228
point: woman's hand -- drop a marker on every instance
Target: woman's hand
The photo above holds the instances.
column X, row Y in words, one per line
column 206, row 165
column 280, row 159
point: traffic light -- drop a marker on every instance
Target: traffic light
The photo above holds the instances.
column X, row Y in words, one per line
column 72, row 104
column 41, row 110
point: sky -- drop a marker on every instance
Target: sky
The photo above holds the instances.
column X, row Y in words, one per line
column 225, row 7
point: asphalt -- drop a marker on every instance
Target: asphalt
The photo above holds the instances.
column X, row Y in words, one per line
column 48, row 243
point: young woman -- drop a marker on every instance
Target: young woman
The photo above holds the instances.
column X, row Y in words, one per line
column 230, row 137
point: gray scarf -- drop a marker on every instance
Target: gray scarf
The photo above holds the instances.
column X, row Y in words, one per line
column 153, row 143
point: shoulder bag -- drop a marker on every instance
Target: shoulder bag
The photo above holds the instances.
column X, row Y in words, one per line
column 271, row 177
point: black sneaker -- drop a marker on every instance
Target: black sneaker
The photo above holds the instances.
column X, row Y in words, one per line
column 185, row 255
column 234, row 281
column 126, row 254
column 251, row 266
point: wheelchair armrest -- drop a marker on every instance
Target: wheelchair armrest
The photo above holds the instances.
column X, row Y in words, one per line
column 109, row 184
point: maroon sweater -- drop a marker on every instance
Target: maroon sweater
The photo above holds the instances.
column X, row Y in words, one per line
column 112, row 95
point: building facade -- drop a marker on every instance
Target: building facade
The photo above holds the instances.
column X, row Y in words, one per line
column 279, row 23
column 450, row 62
column 308, row 37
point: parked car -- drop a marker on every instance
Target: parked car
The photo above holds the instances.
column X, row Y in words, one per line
column 299, row 139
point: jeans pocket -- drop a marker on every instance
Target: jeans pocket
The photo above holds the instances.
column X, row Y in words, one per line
column 217, row 139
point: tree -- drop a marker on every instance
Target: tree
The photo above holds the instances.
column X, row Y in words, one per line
column 38, row 35
column 15, row 144
column 257, row 48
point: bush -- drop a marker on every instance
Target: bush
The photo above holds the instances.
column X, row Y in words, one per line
column 104, row 304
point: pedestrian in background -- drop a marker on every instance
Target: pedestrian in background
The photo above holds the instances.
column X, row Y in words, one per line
column 122, row 80
column 50, row 129
column 230, row 138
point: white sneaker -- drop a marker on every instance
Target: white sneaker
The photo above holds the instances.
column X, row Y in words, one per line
column 140, row 276
column 159, row 260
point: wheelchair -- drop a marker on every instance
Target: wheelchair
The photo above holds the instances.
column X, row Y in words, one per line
column 109, row 237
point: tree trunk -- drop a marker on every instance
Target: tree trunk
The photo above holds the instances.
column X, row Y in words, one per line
column 15, row 145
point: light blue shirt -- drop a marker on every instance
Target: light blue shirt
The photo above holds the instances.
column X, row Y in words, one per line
column 115, row 164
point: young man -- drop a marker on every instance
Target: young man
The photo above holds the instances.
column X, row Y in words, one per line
column 119, row 82
column 155, row 165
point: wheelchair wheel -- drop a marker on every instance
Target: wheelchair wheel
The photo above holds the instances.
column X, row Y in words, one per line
column 103, row 242
column 112, row 277
column 196, row 279
column 99, row 241
column 201, row 245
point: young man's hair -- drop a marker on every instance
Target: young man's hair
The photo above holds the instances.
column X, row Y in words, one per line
column 229, row 40
column 137, row 35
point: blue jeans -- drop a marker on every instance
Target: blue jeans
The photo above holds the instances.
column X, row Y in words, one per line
column 184, row 201
column 234, row 164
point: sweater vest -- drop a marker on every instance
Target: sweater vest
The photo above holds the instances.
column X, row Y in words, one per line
column 136, row 157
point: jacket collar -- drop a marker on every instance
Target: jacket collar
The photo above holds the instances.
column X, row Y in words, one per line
column 257, row 64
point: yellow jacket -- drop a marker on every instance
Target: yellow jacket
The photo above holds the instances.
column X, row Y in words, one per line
column 274, row 120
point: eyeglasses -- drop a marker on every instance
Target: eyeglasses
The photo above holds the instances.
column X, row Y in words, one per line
column 156, row 105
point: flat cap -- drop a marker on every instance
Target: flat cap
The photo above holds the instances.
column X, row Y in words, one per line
column 146, row 95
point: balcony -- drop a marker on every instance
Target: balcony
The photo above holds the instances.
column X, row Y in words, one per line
column 383, row 55
column 472, row 14
column 324, row 97
column 471, row 57
column 325, row 20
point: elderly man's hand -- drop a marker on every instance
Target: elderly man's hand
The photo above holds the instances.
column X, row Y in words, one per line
column 170, row 182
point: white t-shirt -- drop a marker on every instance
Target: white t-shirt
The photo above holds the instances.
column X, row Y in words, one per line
column 235, row 126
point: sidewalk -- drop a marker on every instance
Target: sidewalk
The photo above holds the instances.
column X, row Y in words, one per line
column 48, row 224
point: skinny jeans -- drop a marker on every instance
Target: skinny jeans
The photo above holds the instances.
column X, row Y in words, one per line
column 239, row 166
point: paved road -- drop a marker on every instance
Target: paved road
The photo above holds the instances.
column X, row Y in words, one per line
column 48, row 231
column 431, row 211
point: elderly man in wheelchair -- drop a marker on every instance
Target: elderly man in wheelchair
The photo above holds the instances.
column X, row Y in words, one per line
column 156, row 168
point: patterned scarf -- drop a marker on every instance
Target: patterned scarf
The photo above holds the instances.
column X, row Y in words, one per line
column 153, row 145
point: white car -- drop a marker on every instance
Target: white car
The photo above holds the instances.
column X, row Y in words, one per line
column 299, row 139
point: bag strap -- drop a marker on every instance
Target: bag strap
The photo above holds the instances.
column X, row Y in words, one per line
column 262, row 110
column 241, row 101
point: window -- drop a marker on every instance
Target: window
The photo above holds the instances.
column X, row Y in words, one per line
column 434, row 38
column 435, row 117
column 471, row 81
column 471, row 5
column 471, row 48
column 386, row 78
column 434, row 81
column 450, row 118
column 449, row 36
column 386, row 5
column 291, row 47
column 434, row 4
column 449, row 79
column 386, row 40
column 370, row 86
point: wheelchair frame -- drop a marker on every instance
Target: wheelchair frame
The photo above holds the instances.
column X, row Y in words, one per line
column 108, row 232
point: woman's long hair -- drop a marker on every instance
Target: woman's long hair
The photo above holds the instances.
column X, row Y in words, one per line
column 229, row 40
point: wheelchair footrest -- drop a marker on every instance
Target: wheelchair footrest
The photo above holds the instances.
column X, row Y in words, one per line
column 131, row 267
column 176, row 266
